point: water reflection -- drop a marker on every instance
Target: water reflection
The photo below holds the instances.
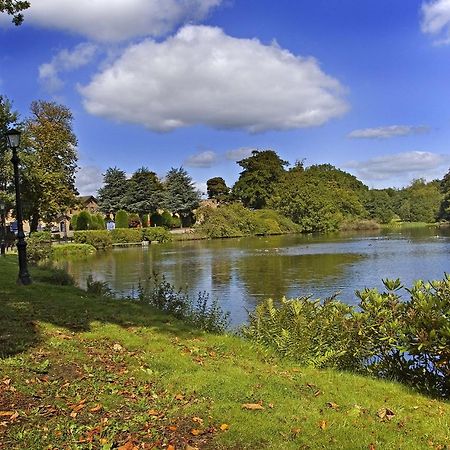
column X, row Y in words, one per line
column 240, row 272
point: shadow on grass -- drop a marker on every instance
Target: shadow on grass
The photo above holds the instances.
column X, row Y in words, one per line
column 23, row 307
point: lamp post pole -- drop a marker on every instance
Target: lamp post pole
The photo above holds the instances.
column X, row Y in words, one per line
column 24, row 277
column 3, row 216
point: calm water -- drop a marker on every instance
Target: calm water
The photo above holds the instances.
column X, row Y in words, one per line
column 241, row 272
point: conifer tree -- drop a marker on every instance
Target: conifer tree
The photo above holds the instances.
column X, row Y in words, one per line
column 111, row 197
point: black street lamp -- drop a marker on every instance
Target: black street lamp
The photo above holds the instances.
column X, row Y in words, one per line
column 3, row 216
column 13, row 137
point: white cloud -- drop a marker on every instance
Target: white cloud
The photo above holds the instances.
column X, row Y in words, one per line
column 239, row 153
column 388, row 132
column 204, row 159
column 436, row 19
column 117, row 20
column 88, row 180
column 400, row 168
column 65, row 61
column 201, row 187
column 203, row 76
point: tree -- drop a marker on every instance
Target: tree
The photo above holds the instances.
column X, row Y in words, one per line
column 50, row 161
column 121, row 219
column 144, row 193
column 257, row 181
column 181, row 197
column 445, row 204
column 8, row 119
column 379, row 205
column 217, row 189
column 111, row 197
column 14, row 8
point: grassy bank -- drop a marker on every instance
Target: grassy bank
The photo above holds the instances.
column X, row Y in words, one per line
column 79, row 371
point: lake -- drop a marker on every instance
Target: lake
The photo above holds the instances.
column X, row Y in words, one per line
column 241, row 272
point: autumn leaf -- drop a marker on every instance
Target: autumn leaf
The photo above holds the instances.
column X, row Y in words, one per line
column 197, row 420
column 252, row 406
column 224, row 426
column 153, row 412
column 179, row 397
column 295, row 430
column 6, row 413
column 196, row 432
column 128, row 446
column 170, row 447
column 96, row 408
column 385, row 414
column 188, row 447
column 332, row 405
column 322, row 424
column 372, row 446
column 172, row 428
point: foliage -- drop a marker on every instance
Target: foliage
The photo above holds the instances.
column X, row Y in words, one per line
column 256, row 183
column 126, row 235
column 134, row 221
column 444, row 212
column 387, row 336
column 62, row 251
column 83, row 221
column 319, row 198
column 39, row 246
column 111, row 196
column 235, row 220
column 159, row 234
column 201, row 314
column 218, row 190
column 156, row 219
column 74, row 222
column 14, row 8
column 98, row 288
column 181, row 197
column 359, row 225
column 144, row 192
column 121, row 219
column 49, row 161
column 379, row 205
column 99, row 239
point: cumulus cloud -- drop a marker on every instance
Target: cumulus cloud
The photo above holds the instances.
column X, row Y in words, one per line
column 387, row 132
column 65, row 61
column 239, row 153
column 203, row 76
column 436, row 19
column 88, row 180
column 117, row 20
column 401, row 168
column 204, row 159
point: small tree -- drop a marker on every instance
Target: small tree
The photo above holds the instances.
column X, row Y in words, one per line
column 83, row 221
column 121, row 219
column 111, row 197
column 217, row 189
column 74, row 222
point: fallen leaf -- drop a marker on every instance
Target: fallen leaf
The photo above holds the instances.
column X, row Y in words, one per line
column 333, row 405
column 96, row 408
column 196, row 432
column 6, row 413
column 372, row 446
column 197, row 420
column 153, row 412
column 270, row 405
column 224, row 426
column 172, row 428
column 252, row 406
column 385, row 413
column 170, row 447
column 14, row 416
column 188, row 447
column 128, row 446
column 295, row 430
column 73, row 414
column 117, row 348
column 322, row 424
column 179, row 397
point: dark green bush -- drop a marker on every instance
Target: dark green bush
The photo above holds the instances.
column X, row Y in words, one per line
column 159, row 234
column 156, row 219
column 72, row 250
column 74, row 222
column 121, row 219
column 83, row 221
column 97, row 238
column 126, row 235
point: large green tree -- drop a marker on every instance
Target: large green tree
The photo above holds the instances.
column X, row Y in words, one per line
column 379, row 205
column 49, row 158
column 217, row 189
column 111, row 196
column 445, row 204
column 181, row 196
column 256, row 183
column 144, row 192
column 14, row 8
column 8, row 119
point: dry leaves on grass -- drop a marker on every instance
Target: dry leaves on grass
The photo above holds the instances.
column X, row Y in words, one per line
column 252, row 406
column 385, row 414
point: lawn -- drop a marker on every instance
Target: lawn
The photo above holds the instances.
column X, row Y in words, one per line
column 80, row 372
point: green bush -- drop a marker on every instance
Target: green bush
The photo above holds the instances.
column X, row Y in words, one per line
column 49, row 274
column 159, row 234
column 174, row 222
column 74, row 222
column 134, row 221
column 121, row 219
column 99, row 239
column 83, row 221
column 144, row 220
column 72, row 250
column 126, row 235
column 387, row 336
column 39, row 246
column 96, row 222
column 156, row 219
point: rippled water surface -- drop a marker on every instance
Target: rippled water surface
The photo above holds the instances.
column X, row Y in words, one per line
column 241, row 272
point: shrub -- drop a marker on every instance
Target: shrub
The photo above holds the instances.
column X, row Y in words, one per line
column 72, row 250
column 126, row 235
column 96, row 222
column 144, row 220
column 39, row 246
column 121, row 219
column 166, row 218
column 74, row 222
column 174, row 222
column 134, row 221
column 98, row 288
column 83, row 220
column 159, row 234
column 156, row 219
column 49, row 274
column 97, row 238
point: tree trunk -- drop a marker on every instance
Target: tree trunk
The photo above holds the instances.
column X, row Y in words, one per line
column 34, row 222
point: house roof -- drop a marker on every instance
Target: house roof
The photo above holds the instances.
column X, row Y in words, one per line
column 85, row 199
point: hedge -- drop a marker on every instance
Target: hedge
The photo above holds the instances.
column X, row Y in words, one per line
column 126, row 235
column 97, row 238
column 159, row 234
column 76, row 250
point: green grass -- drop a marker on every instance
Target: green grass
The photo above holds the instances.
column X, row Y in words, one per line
column 78, row 371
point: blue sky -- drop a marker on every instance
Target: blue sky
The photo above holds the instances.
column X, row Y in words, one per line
column 363, row 85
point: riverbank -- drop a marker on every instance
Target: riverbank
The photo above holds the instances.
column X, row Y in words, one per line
column 82, row 371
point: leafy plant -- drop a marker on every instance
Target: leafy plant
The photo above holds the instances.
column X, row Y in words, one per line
column 99, row 239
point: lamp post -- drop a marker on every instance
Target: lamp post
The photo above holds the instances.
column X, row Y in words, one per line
column 13, row 137
column 3, row 216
